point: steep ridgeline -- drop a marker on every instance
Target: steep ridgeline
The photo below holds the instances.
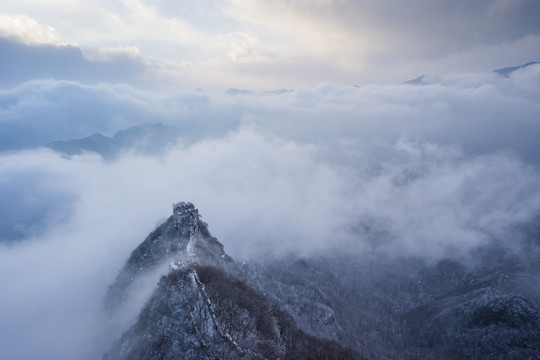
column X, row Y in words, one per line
column 207, row 306
column 182, row 239
column 204, row 307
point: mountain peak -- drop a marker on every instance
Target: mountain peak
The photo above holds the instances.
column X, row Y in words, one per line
column 505, row 72
column 182, row 238
column 182, row 209
column 417, row 81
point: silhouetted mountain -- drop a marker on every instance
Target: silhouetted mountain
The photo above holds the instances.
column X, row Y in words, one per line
column 416, row 81
column 148, row 139
column 278, row 92
column 234, row 92
column 505, row 72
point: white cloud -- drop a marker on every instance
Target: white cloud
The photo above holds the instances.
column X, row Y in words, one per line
column 260, row 194
column 26, row 29
column 432, row 201
column 112, row 53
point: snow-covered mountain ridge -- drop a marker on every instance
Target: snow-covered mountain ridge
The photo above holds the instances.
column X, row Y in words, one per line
column 207, row 306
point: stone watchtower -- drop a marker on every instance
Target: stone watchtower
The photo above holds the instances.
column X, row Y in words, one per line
column 185, row 214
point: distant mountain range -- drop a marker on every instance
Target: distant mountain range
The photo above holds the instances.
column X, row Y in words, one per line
column 504, row 72
column 208, row 306
column 148, row 139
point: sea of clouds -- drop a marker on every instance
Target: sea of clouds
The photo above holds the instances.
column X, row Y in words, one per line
column 430, row 170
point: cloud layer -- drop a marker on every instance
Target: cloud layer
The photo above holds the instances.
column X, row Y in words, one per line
column 430, row 170
column 482, row 112
column 260, row 195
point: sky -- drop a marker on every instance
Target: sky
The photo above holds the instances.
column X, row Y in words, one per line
column 265, row 45
column 320, row 149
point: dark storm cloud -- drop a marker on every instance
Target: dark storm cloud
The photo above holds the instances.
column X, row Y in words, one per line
column 422, row 29
column 441, row 27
